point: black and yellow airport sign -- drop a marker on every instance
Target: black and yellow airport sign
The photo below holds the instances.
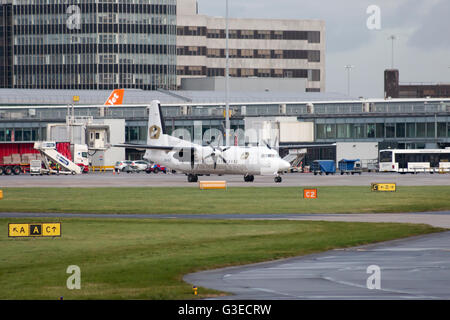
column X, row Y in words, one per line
column 17, row 230
column 386, row 187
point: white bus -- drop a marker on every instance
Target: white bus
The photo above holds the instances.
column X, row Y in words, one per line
column 414, row 161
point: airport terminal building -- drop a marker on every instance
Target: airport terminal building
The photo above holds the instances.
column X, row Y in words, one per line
column 288, row 119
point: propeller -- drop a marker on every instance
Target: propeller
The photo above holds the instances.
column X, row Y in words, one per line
column 192, row 158
column 216, row 155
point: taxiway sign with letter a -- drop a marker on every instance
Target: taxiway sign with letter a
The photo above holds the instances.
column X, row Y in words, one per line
column 34, row 229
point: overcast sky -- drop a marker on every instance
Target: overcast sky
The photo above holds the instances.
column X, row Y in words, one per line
column 422, row 28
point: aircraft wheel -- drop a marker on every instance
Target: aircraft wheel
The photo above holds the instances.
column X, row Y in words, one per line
column 192, row 178
column 278, row 179
column 249, row 178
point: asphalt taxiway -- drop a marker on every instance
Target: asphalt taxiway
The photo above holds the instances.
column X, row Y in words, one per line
column 436, row 219
column 108, row 179
column 416, row 268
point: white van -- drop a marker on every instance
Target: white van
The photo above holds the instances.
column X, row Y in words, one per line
column 35, row 167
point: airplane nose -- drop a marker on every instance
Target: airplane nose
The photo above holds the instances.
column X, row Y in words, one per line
column 284, row 165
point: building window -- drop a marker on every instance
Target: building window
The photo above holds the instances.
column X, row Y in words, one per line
column 263, row 54
column 344, row 131
column 390, row 130
column 195, row 71
column 263, row 35
column 321, row 133
column 371, row 130
column 410, row 130
column 430, row 130
column 359, row 132
column 247, row 34
column 420, row 130
column 263, row 73
column 214, row 33
column 213, row 53
column 288, row 74
column 277, row 35
column 442, row 130
column 233, row 53
column 247, row 72
column 400, row 130
column 233, row 72
column 8, row 134
column 246, row 53
column 331, row 131
column 278, row 73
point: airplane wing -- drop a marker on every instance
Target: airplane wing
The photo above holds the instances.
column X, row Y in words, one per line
column 145, row 147
column 303, row 146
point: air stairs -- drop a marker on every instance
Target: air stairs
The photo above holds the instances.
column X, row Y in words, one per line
column 295, row 157
column 49, row 153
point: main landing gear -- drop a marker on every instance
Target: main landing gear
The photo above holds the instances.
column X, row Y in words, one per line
column 278, row 179
column 249, row 178
column 192, row 177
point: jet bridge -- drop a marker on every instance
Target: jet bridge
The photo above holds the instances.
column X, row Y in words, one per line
column 49, row 153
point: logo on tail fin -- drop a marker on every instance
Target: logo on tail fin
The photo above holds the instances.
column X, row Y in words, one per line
column 154, row 132
column 116, row 98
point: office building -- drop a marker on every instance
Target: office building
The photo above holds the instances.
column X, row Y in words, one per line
column 88, row 44
column 266, row 48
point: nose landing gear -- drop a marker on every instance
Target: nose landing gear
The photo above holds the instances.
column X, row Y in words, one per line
column 249, row 178
column 278, row 179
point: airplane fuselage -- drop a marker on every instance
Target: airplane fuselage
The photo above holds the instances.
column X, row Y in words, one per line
column 206, row 160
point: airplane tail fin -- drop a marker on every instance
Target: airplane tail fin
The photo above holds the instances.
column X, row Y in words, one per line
column 155, row 123
column 116, row 98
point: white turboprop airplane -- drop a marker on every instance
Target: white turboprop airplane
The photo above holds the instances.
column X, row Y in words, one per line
column 194, row 159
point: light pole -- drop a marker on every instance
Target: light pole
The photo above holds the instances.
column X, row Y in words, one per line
column 392, row 38
column 227, row 75
column 349, row 67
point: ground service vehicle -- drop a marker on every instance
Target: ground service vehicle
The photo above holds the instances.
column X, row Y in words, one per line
column 323, row 166
column 350, row 166
column 156, row 168
column 15, row 157
column 415, row 160
column 56, row 162
column 36, row 167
